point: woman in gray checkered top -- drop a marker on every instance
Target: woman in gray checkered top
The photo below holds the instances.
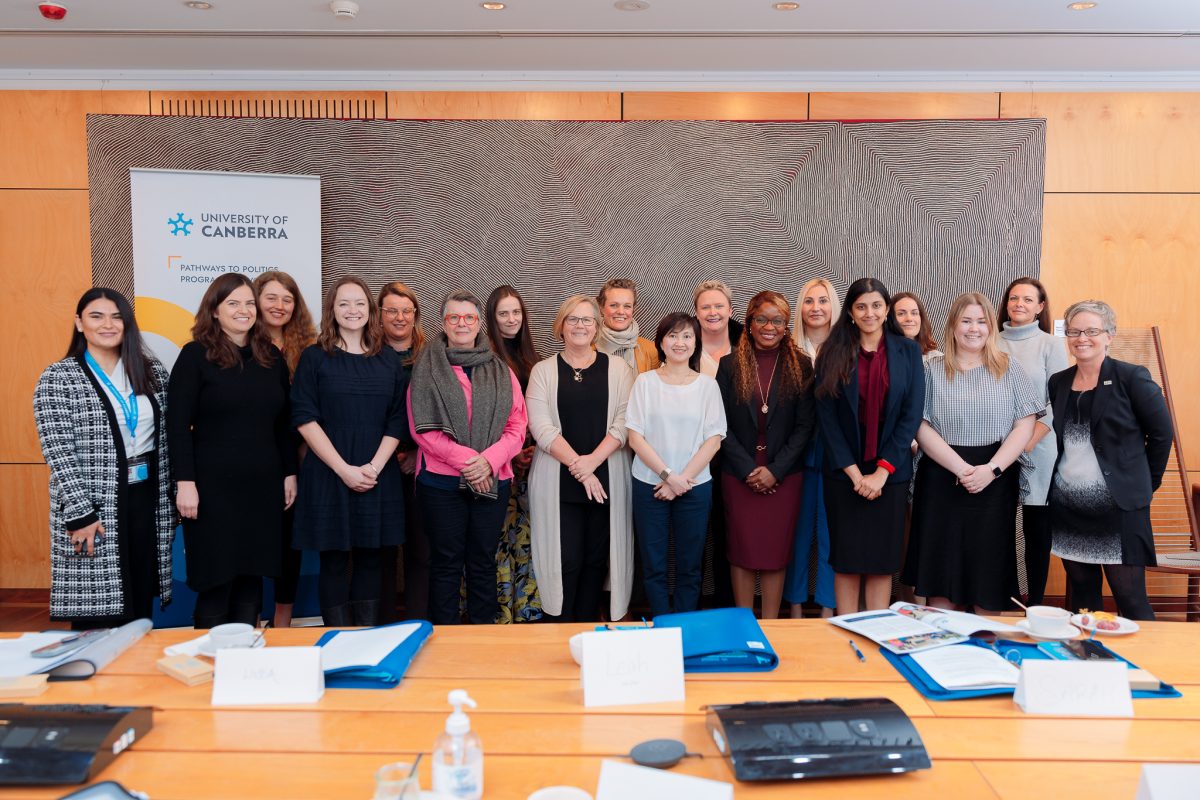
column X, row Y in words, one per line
column 979, row 414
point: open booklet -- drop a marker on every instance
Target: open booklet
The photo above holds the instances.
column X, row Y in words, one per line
column 16, row 655
column 908, row 628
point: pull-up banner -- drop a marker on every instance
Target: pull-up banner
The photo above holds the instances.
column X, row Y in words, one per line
column 189, row 227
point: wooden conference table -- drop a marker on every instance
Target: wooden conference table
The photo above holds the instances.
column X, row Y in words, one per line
column 536, row 731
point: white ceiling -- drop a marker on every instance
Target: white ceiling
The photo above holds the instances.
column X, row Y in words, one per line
column 747, row 44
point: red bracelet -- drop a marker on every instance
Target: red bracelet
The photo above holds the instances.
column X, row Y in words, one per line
column 883, row 463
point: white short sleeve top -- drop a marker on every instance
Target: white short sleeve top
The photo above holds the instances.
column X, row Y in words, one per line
column 675, row 420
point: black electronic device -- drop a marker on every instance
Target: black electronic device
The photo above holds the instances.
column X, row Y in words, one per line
column 66, row 743
column 799, row 739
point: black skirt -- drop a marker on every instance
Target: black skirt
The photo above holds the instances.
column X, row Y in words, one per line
column 962, row 545
column 866, row 537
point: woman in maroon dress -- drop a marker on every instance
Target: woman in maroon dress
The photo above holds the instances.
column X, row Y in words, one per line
column 765, row 385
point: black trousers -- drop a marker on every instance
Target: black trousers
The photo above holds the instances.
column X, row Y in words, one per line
column 464, row 532
column 239, row 600
column 289, row 578
column 349, row 576
column 1036, row 526
column 584, row 535
column 416, row 556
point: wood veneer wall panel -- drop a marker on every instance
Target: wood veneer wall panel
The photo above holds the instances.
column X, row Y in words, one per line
column 903, row 105
column 24, row 526
column 504, row 105
column 43, row 141
column 716, row 105
column 1138, row 253
column 1116, row 142
column 45, row 265
column 325, row 105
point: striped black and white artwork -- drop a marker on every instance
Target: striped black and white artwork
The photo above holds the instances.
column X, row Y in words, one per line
column 555, row 208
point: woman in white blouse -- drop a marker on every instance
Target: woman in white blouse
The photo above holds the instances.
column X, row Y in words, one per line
column 676, row 422
column 582, row 529
column 978, row 417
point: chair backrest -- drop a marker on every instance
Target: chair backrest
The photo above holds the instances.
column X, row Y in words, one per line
column 1172, row 514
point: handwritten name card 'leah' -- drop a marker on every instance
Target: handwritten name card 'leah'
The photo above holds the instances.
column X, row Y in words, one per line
column 268, row 676
column 1074, row 688
column 628, row 667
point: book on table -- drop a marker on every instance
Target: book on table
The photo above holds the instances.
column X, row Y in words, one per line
column 904, row 628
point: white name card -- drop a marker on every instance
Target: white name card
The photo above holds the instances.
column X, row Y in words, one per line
column 1168, row 782
column 268, row 676
column 627, row 667
column 1074, row 688
column 630, row 782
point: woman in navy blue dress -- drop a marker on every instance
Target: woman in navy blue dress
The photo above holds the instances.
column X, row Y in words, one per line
column 348, row 404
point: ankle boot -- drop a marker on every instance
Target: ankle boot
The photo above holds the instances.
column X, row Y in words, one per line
column 337, row 616
column 366, row 612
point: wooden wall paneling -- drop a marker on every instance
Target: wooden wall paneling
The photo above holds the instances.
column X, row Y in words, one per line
column 45, row 265
column 504, row 105
column 323, row 105
column 1116, row 142
column 24, row 526
column 903, row 105
column 717, row 105
column 1137, row 252
column 43, row 134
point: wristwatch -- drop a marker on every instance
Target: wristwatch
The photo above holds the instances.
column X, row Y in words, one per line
column 666, row 471
column 996, row 471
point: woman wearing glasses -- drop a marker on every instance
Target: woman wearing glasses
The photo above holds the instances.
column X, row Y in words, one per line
column 401, row 315
column 348, row 404
column 765, row 386
column 1114, row 436
column 467, row 415
column 579, row 481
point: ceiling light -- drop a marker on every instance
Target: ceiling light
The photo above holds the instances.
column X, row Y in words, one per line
column 492, row 6
column 344, row 9
column 786, row 6
column 1081, row 6
column 631, row 5
column 198, row 6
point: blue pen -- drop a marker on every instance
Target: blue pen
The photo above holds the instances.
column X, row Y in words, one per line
column 857, row 652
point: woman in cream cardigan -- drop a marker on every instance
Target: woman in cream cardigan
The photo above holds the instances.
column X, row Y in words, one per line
column 579, row 492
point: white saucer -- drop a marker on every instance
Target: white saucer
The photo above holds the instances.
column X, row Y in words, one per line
column 1128, row 626
column 207, row 649
column 1069, row 632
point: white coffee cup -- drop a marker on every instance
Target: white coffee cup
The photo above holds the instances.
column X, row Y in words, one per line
column 232, row 634
column 560, row 793
column 1048, row 620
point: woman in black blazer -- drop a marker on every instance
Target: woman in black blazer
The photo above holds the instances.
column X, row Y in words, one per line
column 1114, row 436
column 870, row 392
column 765, row 386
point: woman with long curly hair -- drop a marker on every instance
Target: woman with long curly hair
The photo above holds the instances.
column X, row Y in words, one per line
column 232, row 453
column 765, row 387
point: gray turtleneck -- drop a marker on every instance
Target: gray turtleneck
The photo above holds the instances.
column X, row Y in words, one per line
column 1041, row 355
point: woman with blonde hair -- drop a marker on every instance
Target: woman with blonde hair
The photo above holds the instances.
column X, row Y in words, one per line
column 719, row 331
column 978, row 416
column 579, row 482
column 767, row 393
column 348, row 404
column 817, row 308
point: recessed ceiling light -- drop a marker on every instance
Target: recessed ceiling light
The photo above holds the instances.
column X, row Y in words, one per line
column 1081, row 6
column 631, row 5
column 786, row 6
column 492, row 6
column 198, row 6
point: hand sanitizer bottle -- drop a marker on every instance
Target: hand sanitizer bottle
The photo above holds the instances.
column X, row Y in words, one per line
column 458, row 754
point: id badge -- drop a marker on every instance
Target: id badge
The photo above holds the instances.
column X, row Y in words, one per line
column 139, row 473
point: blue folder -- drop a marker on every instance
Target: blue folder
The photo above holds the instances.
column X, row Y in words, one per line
column 388, row 672
column 721, row 640
column 933, row 690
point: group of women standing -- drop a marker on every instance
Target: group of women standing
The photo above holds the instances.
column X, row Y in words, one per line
column 523, row 487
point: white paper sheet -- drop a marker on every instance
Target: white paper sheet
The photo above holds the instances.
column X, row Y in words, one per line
column 364, row 648
column 968, row 667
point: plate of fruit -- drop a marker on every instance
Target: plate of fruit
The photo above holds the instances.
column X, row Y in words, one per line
column 1103, row 622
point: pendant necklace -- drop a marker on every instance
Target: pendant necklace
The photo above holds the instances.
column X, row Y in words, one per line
column 758, row 380
column 579, row 372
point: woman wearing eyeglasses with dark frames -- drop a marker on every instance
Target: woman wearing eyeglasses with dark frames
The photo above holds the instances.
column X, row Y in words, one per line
column 467, row 415
column 1114, row 436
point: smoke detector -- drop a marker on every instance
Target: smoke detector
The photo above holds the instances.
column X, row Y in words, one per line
column 344, row 9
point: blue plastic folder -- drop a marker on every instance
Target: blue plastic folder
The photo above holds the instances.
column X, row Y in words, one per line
column 721, row 640
column 388, row 672
column 926, row 685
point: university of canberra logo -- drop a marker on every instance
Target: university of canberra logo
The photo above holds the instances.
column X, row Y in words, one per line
column 180, row 225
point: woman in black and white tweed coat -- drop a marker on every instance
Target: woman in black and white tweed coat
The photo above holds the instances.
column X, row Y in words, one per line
column 110, row 539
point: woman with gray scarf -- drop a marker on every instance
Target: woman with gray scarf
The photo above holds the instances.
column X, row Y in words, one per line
column 618, row 333
column 467, row 416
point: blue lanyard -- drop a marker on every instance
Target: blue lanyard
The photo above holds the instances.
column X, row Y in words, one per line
column 130, row 410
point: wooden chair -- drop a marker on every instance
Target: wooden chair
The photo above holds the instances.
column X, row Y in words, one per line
column 1174, row 585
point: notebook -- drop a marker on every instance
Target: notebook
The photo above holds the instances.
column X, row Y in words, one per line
column 721, row 640
column 371, row 658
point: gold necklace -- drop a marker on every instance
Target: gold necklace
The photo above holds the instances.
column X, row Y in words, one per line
column 758, row 380
column 579, row 371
